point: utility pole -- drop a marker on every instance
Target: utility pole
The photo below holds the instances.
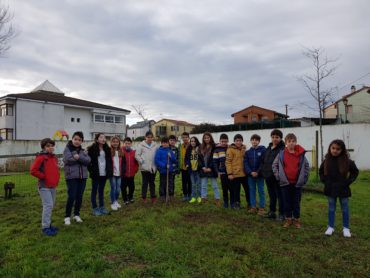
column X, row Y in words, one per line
column 286, row 110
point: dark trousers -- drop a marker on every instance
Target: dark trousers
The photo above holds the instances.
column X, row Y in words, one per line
column 292, row 200
column 98, row 188
column 274, row 190
column 226, row 189
column 148, row 180
column 163, row 185
column 186, row 183
column 235, row 190
column 76, row 188
column 128, row 183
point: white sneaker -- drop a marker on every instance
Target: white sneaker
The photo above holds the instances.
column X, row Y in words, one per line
column 67, row 221
column 346, row 232
column 113, row 206
column 77, row 219
column 118, row 205
column 329, row 231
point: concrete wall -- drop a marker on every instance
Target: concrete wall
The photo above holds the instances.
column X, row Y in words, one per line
column 85, row 116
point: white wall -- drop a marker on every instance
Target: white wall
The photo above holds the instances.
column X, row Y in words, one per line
column 85, row 116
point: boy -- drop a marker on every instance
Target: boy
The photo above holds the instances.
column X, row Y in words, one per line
column 291, row 169
column 45, row 168
column 185, row 176
column 219, row 159
column 272, row 184
column 176, row 170
column 252, row 167
column 128, row 179
column 235, row 171
column 165, row 161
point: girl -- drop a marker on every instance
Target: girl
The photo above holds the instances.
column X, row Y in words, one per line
column 337, row 172
column 208, row 171
column 75, row 161
column 118, row 171
column 100, row 169
column 192, row 165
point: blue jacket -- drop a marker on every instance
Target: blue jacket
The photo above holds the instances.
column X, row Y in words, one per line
column 253, row 158
column 161, row 160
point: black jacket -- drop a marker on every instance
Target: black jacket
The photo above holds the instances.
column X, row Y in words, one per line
column 268, row 158
column 93, row 168
column 335, row 184
column 209, row 163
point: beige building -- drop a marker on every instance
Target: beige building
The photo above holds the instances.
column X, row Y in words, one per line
column 167, row 127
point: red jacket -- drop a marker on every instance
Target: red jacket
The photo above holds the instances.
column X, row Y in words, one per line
column 291, row 163
column 132, row 165
column 45, row 168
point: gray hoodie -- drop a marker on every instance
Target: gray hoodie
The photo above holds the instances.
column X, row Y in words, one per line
column 75, row 169
column 145, row 156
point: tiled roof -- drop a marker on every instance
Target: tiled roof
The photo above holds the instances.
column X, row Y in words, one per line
column 177, row 122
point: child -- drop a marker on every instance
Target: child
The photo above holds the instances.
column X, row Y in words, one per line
column 337, row 172
column 101, row 169
column 291, row 169
column 75, row 161
column 192, row 165
column 185, row 174
column 45, row 168
column 252, row 167
column 128, row 180
column 176, row 170
column 272, row 184
column 165, row 161
column 145, row 153
column 219, row 159
column 118, row 164
column 208, row 169
column 235, row 171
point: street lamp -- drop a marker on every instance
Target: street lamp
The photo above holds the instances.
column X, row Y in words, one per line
column 345, row 102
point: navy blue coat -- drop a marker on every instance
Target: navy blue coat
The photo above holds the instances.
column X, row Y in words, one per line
column 253, row 159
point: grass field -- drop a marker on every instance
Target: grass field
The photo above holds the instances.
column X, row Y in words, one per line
column 183, row 240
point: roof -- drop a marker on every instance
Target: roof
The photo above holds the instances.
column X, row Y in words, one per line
column 176, row 122
column 141, row 124
column 349, row 95
column 49, row 93
column 254, row 106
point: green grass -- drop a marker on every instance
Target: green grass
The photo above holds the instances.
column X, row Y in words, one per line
column 183, row 240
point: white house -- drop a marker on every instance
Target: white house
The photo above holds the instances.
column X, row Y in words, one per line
column 139, row 129
column 46, row 110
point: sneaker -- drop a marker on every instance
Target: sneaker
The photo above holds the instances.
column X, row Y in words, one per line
column 67, row 221
column 237, row 205
column 346, row 232
column 185, row 198
column 154, row 200
column 126, row 203
column 271, row 215
column 49, row 232
column 114, row 206
column 281, row 218
column 144, row 200
column 103, row 210
column 77, row 218
column 199, row 200
column 118, row 205
column 217, row 201
column 204, row 200
column 252, row 210
column 297, row 223
column 132, row 201
column 288, row 222
column 53, row 228
column 193, row 200
column 261, row 211
column 96, row 212
column 329, row 231
column 226, row 205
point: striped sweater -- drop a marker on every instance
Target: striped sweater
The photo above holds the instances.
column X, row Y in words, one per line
column 219, row 158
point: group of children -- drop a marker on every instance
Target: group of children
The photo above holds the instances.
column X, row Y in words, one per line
column 282, row 166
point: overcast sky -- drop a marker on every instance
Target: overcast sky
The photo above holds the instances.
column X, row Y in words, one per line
column 189, row 60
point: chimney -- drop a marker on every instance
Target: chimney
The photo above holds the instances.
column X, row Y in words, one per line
column 353, row 88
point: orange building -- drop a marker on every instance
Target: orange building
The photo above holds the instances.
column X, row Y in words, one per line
column 256, row 114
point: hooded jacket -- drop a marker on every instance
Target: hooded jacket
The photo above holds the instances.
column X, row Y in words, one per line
column 278, row 167
column 75, row 169
column 165, row 156
column 206, row 161
column 45, row 168
column 268, row 159
column 234, row 161
column 145, row 156
column 132, row 165
column 253, row 159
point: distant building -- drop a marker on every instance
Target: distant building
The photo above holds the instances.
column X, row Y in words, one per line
column 166, row 127
column 46, row 111
column 254, row 113
column 139, row 129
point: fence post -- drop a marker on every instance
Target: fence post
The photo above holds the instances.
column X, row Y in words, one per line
column 317, row 153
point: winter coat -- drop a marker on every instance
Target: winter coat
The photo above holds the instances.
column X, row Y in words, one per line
column 219, row 158
column 145, row 156
column 206, row 163
column 335, row 184
column 75, row 169
column 234, row 161
column 176, row 166
column 303, row 168
column 163, row 156
column 268, row 159
column 188, row 158
column 45, row 168
column 253, row 160
column 94, row 152
column 132, row 166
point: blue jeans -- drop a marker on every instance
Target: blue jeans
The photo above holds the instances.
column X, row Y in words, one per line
column 195, row 184
column 98, row 187
column 76, row 188
column 292, row 200
column 260, row 184
column 204, row 184
column 115, row 188
column 345, row 211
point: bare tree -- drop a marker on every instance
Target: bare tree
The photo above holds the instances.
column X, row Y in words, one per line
column 323, row 67
column 6, row 29
column 140, row 110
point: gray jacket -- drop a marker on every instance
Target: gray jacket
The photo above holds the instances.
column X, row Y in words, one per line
column 145, row 156
column 278, row 169
column 75, row 169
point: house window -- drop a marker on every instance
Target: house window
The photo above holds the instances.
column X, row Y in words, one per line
column 78, row 120
column 109, row 119
column 254, row 118
column 175, row 128
column 118, row 119
column 160, row 131
column 6, row 110
column 98, row 118
column 6, row 133
column 72, row 120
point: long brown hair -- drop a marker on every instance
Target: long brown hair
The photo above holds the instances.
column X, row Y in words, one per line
column 113, row 151
column 203, row 146
column 343, row 158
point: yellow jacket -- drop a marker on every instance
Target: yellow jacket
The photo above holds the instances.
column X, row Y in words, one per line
column 234, row 161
